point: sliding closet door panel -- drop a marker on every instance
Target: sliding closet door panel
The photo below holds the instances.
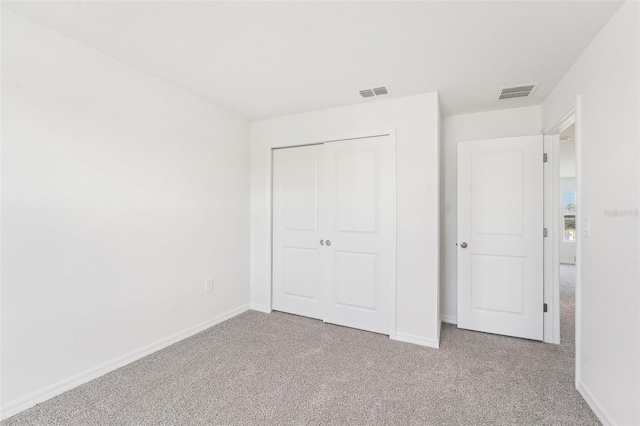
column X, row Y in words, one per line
column 297, row 188
column 358, row 221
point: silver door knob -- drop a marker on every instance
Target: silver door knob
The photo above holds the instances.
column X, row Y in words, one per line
column 463, row 245
column 328, row 242
column 321, row 242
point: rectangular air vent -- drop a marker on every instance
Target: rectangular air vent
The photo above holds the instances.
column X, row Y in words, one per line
column 380, row 91
column 377, row 91
column 522, row 91
column 367, row 93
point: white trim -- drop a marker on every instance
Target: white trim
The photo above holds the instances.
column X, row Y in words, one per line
column 259, row 308
column 578, row 311
column 548, row 207
column 331, row 138
column 416, row 340
column 557, row 229
column 551, row 245
column 567, row 120
column 14, row 407
column 316, row 141
column 449, row 319
column 597, row 408
column 393, row 239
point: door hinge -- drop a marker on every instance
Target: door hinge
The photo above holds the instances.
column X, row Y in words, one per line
column 544, row 232
column 545, row 157
column 544, row 307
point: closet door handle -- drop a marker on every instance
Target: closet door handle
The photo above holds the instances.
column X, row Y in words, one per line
column 328, row 242
column 321, row 242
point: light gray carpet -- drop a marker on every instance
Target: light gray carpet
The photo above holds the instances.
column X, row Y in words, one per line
column 284, row 369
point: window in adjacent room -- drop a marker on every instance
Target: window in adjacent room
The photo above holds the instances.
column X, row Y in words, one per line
column 569, row 215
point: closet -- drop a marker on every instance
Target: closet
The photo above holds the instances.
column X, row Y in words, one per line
column 333, row 232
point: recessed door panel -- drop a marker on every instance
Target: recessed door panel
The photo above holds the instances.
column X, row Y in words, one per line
column 357, row 190
column 498, row 284
column 497, row 192
column 300, row 192
column 300, row 269
column 355, row 276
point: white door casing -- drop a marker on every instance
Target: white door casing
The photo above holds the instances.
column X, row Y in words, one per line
column 334, row 232
column 500, row 220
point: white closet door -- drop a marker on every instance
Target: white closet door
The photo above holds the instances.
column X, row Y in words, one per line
column 500, row 236
column 358, row 268
column 297, row 188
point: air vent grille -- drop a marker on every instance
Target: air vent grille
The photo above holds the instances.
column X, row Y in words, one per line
column 377, row 91
column 514, row 95
column 522, row 91
column 380, row 91
column 367, row 93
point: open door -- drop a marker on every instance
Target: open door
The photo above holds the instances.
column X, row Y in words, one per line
column 500, row 236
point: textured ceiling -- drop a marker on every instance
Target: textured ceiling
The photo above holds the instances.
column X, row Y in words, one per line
column 267, row 59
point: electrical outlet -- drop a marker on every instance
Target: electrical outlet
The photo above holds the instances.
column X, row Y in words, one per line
column 208, row 285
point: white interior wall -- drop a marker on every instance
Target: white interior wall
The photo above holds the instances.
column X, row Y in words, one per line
column 416, row 121
column 468, row 127
column 606, row 78
column 120, row 195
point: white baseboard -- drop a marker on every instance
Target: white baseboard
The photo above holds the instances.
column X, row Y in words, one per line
column 449, row 319
column 259, row 308
column 595, row 406
column 14, row 407
column 408, row 338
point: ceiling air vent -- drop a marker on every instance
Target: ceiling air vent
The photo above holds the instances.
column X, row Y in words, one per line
column 380, row 91
column 367, row 93
column 523, row 91
column 377, row 91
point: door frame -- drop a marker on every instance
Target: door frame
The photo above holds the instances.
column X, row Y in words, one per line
column 391, row 133
column 552, row 222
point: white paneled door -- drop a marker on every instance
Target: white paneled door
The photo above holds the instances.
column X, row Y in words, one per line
column 500, row 236
column 297, row 194
column 333, row 232
column 359, row 182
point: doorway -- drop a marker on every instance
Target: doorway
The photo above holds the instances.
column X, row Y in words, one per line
column 561, row 210
column 567, row 190
column 568, row 233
